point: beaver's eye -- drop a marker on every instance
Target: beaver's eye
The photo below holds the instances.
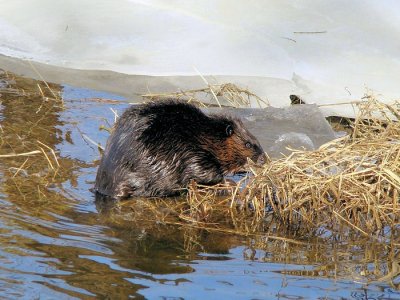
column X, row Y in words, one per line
column 248, row 145
column 229, row 130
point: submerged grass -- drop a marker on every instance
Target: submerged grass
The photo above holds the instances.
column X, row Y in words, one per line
column 27, row 140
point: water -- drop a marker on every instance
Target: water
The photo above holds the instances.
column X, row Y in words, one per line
column 57, row 242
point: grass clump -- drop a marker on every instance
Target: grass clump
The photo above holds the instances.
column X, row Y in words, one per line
column 352, row 181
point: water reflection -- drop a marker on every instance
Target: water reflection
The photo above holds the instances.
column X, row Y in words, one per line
column 55, row 241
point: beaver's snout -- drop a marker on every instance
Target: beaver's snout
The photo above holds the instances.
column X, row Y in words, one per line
column 262, row 158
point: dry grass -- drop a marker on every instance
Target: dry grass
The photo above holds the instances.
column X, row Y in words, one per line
column 221, row 93
column 350, row 181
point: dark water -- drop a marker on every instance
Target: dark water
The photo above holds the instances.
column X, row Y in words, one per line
column 57, row 243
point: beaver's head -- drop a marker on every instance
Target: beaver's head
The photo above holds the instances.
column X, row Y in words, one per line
column 236, row 145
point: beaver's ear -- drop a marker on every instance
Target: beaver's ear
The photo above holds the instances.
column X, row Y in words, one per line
column 229, row 130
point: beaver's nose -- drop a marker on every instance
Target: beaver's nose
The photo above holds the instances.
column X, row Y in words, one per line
column 261, row 159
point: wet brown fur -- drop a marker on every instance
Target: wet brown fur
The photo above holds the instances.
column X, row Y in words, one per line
column 158, row 148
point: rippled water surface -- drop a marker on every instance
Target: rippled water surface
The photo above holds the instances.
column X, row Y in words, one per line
column 56, row 241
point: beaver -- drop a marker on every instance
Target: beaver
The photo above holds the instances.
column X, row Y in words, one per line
column 157, row 148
